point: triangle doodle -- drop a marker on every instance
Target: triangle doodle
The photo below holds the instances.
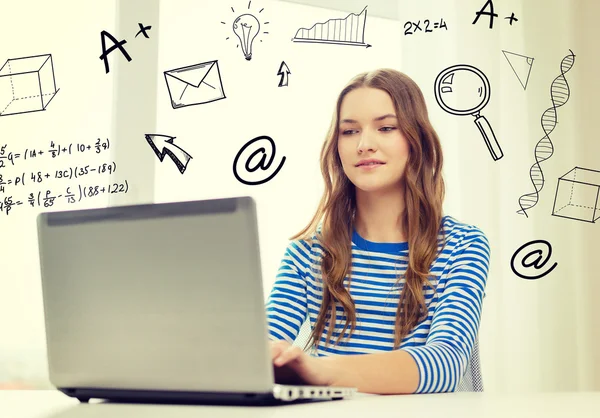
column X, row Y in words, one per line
column 521, row 66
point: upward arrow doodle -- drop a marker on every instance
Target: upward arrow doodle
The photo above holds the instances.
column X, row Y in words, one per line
column 284, row 72
column 163, row 147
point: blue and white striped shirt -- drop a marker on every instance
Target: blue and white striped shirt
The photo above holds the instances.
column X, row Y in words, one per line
column 441, row 345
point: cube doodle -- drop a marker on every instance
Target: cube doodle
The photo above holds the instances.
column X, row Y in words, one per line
column 27, row 84
column 577, row 195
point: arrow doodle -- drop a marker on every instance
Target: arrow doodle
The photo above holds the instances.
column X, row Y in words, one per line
column 559, row 93
column 284, row 72
column 163, row 147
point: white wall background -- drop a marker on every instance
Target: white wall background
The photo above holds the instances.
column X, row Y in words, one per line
column 536, row 335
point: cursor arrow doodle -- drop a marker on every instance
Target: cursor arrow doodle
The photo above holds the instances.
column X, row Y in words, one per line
column 163, row 145
column 284, row 71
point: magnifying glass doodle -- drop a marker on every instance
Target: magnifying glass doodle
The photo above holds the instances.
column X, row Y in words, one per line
column 465, row 90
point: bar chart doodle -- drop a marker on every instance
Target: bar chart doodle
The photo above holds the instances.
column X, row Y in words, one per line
column 559, row 94
column 521, row 66
column 27, row 84
column 347, row 31
column 246, row 27
column 578, row 195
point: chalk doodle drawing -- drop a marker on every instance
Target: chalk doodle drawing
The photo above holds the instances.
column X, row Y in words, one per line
column 490, row 12
column 533, row 260
column 246, row 28
column 163, row 145
column 578, row 195
column 263, row 164
column 195, row 84
column 559, row 94
column 59, row 180
column 118, row 45
column 521, row 66
column 465, row 90
column 411, row 28
column 284, row 72
column 143, row 30
column 347, row 31
column 27, row 84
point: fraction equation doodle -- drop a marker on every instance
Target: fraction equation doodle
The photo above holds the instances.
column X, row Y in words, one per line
column 415, row 26
column 55, row 150
column 71, row 195
column 68, row 173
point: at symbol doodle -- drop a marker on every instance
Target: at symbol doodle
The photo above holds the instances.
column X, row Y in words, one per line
column 262, row 164
column 533, row 259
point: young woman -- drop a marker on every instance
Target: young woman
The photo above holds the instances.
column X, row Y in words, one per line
column 405, row 282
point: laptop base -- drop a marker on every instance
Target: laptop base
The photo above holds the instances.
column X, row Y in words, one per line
column 84, row 395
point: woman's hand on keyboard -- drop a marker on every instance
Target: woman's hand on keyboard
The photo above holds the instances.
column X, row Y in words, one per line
column 294, row 366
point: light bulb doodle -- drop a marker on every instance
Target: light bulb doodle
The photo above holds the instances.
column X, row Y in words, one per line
column 559, row 93
column 465, row 90
column 246, row 28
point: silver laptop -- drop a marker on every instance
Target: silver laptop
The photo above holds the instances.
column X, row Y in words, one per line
column 161, row 302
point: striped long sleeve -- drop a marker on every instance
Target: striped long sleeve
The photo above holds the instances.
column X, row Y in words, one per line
column 455, row 324
column 441, row 345
column 286, row 306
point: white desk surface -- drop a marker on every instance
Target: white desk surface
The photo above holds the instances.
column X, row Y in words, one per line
column 53, row 404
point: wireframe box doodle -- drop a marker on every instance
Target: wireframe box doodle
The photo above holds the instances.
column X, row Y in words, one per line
column 578, row 195
column 195, row 84
column 27, row 84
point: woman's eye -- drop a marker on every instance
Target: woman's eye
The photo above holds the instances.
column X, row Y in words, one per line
column 348, row 131
column 388, row 128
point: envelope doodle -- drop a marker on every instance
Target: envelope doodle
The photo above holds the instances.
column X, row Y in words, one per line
column 195, row 84
column 26, row 84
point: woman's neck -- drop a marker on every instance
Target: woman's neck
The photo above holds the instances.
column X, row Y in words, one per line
column 377, row 216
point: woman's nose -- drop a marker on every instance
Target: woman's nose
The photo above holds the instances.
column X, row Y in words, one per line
column 366, row 142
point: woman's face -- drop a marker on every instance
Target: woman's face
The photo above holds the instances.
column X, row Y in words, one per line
column 368, row 130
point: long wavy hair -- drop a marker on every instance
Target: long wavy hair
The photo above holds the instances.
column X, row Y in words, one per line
column 421, row 218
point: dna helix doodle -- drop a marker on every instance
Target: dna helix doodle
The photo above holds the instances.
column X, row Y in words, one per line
column 559, row 94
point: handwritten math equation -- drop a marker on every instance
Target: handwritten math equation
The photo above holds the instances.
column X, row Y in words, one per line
column 72, row 194
column 51, row 178
column 410, row 28
column 55, row 151
column 68, row 173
